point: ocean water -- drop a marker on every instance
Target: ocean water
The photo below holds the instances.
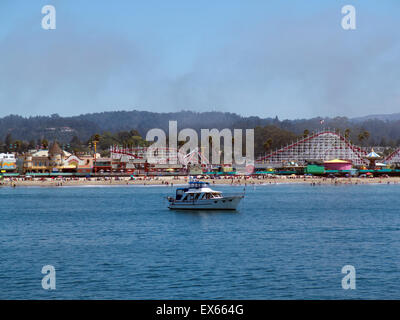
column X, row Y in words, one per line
column 285, row 242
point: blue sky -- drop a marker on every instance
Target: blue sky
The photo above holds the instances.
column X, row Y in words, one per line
column 264, row 58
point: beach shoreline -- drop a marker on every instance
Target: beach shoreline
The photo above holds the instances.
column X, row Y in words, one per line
column 174, row 181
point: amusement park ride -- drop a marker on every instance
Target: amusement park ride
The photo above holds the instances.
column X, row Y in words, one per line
column 165, row 156
column 320, row 146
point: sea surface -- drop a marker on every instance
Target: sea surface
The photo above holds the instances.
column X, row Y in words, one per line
column 285, row 242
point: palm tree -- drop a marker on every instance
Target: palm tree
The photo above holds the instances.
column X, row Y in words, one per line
column 96, row 137
column 268, row 144
column 366, row 134
column 363, row 135
column 181, row 143
column 210, row 141
column 347, row 133
column 45, row 143
column 360, row 138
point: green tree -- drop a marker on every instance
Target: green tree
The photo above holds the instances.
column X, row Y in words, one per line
column 134, row 133
column 347, row 134
column 31, row 144
column 45, row 143
column 96, row 137
column 366, row 135
column 8, row 142
column 360, row 138
column 267, row 145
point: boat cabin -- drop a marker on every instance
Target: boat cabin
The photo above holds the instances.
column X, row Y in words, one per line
column 196, row 191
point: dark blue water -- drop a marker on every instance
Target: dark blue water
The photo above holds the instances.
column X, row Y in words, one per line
column 286, row 242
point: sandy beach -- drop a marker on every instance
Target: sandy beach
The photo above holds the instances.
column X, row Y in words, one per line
column 171, row 181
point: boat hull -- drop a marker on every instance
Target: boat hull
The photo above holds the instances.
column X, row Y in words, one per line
column 225, row 203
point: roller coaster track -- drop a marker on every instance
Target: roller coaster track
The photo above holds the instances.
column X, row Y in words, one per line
column 320, row 146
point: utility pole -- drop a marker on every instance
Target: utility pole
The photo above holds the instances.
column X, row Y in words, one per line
column 95, row 155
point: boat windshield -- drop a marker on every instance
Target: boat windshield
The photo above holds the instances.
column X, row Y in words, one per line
column 198, row 196
column 198, row 184
column 211, row 195
column 180, row 193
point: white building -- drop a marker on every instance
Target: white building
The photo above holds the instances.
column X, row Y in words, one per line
column 7, row 162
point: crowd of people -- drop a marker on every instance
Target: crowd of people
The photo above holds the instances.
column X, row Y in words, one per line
column 179, row 180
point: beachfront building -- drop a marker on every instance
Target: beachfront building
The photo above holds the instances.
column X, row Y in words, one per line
column 82, row 164
column 128, row 160
column 337, row 164
column 57, row 161
column 46, row 161
column 166, row 169
column 8, row 163
column 166, row 161
column 102, row 165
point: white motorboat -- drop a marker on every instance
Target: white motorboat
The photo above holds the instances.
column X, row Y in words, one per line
column 199, row 196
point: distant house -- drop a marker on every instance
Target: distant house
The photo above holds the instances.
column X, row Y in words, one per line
column 102, row 165
column 66, row 129
column 7, row 162
column 51, row 160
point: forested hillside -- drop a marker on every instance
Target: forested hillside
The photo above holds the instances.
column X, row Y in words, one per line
column 131, row 127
